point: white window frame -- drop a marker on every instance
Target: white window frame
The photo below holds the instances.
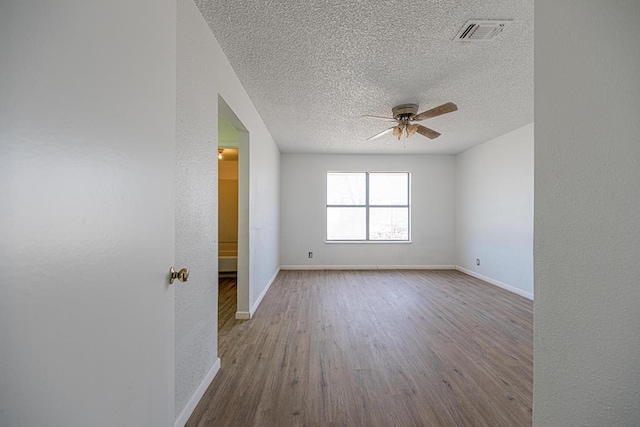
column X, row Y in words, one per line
column 367, row 207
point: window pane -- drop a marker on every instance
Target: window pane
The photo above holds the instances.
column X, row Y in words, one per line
column 389, row 224
column 388, row 188
column 347, row 188
column 346, row 223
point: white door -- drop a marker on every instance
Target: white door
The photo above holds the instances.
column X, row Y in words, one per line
column 87, row 133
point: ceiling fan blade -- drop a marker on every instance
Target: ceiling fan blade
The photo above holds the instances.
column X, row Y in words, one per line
column 384, row 132
column 425, row 131
column 438, row 111
column 391, row 119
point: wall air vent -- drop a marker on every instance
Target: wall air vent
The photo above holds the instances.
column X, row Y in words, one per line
column 477, row 30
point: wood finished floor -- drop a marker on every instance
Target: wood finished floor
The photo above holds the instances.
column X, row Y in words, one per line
column 375, row 348
column 227, row 301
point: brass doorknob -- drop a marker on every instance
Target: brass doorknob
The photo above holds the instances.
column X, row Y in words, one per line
column 182, row 275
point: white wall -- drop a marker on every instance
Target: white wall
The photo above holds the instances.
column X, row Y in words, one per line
column 196, row 303
column 264, row 207
column 587, row 213
column 303, row 208
column 494, row 210
column 203, row 74
column 87, row 130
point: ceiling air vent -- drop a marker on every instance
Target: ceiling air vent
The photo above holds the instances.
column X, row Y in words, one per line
column 477, row 30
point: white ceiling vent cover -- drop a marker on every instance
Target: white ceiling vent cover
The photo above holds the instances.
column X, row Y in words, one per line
column 477, row 30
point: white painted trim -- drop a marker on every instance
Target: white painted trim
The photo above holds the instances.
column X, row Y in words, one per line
column 367, row 267
column 416, row 267
column 264, row 292
column 247, row 315
column 195, row 399
column 496, row 282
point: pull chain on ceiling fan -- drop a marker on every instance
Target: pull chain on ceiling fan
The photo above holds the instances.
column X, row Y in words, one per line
column 406, row 113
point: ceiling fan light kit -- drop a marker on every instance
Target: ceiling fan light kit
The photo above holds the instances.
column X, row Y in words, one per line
column 404, row 114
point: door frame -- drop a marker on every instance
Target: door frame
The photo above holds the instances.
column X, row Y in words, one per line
column 244, row 146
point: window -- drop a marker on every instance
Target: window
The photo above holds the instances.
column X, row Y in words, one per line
column 368, row 206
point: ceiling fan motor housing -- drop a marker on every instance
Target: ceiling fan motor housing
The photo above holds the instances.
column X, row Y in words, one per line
column 404, row 111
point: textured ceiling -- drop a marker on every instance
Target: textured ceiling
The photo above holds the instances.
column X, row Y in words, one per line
column 312, row 68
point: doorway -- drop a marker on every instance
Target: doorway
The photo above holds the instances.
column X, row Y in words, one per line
column 233, row 219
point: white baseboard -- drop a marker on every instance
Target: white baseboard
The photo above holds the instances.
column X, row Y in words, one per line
column 193, row 402
column 496, row 283
column 367, row 267
column 264, row 292
column 416, row 267
column 246, row 315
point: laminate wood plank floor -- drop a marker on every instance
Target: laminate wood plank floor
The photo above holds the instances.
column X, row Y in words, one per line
column 227, row 307
column 227, row 301
column 376, row 348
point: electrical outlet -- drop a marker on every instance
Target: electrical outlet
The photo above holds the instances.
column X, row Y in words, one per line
column 310, row 254
column 477, row 261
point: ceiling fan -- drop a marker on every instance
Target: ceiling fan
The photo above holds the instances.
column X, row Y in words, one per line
column 406, row 113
